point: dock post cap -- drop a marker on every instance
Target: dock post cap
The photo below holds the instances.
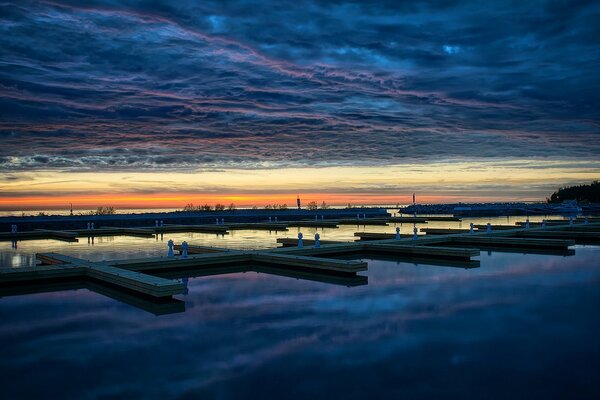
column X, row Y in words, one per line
column 184, row 249
column 415, row 235
column 275, row 219
column 397, row 233
column 170, row 244
column 156, row 223
column 544, row 224
column 300, row 244
column 317, row 240
column 489, row 228
column 471, row 228
column 269, row 219
column 162, row 223
column 92, row 226
column 527, row 223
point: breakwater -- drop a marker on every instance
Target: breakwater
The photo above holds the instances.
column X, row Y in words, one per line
column 54, row 222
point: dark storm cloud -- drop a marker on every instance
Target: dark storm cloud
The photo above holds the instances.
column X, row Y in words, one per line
column 172, row 85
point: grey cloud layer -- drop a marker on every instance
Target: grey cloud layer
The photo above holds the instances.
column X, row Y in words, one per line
column 178, row 85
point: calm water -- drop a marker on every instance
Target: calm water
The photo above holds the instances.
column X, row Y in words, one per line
column 520, row 326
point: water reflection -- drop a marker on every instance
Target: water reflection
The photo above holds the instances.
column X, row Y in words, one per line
column 508, row 327
column 521, row 325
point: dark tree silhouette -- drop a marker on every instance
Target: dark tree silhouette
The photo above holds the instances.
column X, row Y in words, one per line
column 582, row 193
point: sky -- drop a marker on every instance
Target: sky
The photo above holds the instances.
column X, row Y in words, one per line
column 162, row 103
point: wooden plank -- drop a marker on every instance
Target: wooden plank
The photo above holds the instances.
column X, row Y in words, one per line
column 36, row 235
column 136, row 281
column 378, row 236
column 576, row 235
column 270, row 226
column 218, row 229
column 137, row 232
column 324, row 250
column 414, row 220
column 348, row 280
column 574, row 227
column 513, row 242
column 421, row 260
column 193, row 261
column 39, row 273
column 443, row 218
column 349, row 266
column 426, row 251
column 483, row 227
column 362, row 221
column 313, row 224
column 443, row 231
column 69, row 236
column 195, row 249
column 292, row 242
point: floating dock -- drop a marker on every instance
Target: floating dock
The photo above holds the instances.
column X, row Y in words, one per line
column 149, row 277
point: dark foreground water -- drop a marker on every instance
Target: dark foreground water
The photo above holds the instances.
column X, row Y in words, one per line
column 518, row 327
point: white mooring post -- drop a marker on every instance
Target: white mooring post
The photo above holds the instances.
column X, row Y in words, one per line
column 170, row 244
column 527, row 224
column 300, row 244
column 317, row 240
column 184, row 249
column 156, row 223
column 471, row 228
column 162, row 223
column 397, row 233
column 489, row 228
column 415, row 236
column 269, row 219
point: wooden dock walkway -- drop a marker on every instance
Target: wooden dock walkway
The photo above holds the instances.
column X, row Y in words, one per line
column 314, row 224
column 142, row 276
column 292, row 242
column 38, row 235
column 71, row 235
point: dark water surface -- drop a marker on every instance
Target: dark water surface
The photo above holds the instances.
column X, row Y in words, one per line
column 520, row 326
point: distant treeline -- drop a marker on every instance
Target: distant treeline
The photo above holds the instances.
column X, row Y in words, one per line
column 582, row 193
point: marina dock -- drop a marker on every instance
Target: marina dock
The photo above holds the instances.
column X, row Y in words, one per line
column 149, row 277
